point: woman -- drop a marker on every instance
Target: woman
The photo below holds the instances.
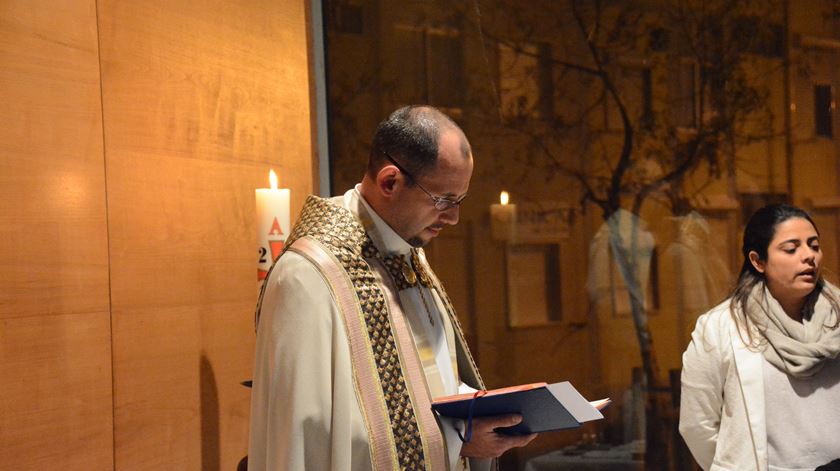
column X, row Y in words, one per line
column 761, row 377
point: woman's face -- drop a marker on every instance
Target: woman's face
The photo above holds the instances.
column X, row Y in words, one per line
column 793, row 260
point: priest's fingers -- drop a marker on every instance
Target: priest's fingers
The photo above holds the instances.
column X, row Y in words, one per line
column 522, row 440
column 496, row 421
column 486, row 443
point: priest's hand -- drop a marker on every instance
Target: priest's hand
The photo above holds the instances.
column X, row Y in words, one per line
column 486, row 443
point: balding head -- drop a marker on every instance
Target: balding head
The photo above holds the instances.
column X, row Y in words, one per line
column 418, row 188
column 411, row 135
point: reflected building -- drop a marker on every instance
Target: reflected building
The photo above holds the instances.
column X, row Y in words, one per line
column 518, row 77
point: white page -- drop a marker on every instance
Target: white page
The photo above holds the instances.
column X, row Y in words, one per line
column 576, row 404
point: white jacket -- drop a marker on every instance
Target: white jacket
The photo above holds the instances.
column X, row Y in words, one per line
column 722, row 401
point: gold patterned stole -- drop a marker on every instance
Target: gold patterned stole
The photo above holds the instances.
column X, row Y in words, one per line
column 466, row 366
column 388, row 375
column 447, row 315
column 406, row 275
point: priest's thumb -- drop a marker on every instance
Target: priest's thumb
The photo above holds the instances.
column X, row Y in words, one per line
column 502, row 421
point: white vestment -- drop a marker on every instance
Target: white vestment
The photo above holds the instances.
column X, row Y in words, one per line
column 305, row 405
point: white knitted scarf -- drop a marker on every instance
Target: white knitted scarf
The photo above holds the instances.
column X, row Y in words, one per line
column 799, row 349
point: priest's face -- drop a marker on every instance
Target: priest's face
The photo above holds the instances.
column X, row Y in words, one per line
column 416, row 217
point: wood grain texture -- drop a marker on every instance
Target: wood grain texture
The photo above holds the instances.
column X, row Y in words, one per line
column 179, row 404
column 211, row 80
column 200, row 99
column 52, row 198
column 55, row 358
column 55, row 409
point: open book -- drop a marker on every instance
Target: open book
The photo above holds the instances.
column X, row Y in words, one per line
column 543, row 406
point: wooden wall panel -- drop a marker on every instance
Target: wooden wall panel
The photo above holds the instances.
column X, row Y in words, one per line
column 55, row 373
column 55, row 408
column 199, row 100
column 52, row 197
column 213, row 80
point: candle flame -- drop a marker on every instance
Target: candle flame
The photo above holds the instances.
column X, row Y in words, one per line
column 272, row 178
column 504, row 197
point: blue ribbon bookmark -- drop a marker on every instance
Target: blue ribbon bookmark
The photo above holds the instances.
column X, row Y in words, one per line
column 468, row 435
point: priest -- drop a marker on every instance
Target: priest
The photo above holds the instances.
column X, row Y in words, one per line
column 356, row 336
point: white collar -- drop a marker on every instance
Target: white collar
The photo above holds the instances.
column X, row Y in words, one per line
column 386, row 239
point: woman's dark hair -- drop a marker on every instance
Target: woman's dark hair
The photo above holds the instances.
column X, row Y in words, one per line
column 758, row 234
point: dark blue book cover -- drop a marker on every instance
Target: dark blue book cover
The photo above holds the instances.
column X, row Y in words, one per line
column 543, row 407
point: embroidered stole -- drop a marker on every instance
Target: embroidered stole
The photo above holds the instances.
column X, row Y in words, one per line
column 389, row 375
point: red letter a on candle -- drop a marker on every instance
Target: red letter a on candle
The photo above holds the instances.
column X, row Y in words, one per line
column 275, row 228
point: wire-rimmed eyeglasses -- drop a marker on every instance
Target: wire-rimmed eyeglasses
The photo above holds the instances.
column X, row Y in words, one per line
column 441, row 203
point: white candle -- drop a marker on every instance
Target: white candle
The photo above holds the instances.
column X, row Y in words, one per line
column 503, row 219
column 272, row 224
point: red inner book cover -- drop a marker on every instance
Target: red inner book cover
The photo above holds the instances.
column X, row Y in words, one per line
column 492, row 392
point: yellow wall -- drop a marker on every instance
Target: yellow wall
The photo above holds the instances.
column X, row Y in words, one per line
column 133, row 136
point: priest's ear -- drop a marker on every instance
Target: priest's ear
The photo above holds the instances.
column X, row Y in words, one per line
column 386, row 179
column 756, row 261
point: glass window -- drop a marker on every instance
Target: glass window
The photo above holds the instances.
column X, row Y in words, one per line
column 557, row 292
column 823, row 110
column 526, row 81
